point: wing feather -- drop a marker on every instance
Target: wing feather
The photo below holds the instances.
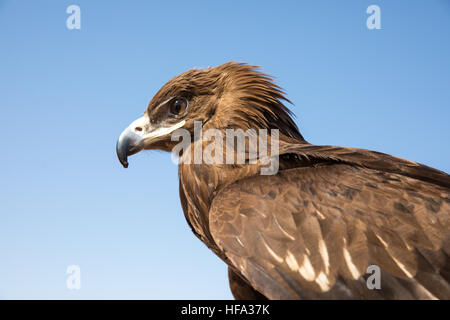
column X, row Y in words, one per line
column 311, row 232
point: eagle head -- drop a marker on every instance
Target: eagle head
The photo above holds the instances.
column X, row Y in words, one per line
column 230, row 96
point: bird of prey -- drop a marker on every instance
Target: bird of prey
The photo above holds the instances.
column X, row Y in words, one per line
column 311, row 229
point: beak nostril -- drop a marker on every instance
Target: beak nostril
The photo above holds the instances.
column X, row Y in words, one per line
column 138, row 129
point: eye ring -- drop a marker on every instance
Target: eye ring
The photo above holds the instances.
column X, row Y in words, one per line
column 178, row 106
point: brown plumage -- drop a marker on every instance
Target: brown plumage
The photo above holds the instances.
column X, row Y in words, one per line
column 311, row 230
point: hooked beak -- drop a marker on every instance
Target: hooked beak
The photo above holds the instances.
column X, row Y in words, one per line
column 138, row 135
column 130, row 140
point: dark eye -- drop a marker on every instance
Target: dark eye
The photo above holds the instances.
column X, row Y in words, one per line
column 178, row 106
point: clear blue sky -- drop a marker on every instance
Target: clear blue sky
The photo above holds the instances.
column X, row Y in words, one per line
column 66, row 95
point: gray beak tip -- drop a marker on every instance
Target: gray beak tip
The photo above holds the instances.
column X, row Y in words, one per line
column 122, row 154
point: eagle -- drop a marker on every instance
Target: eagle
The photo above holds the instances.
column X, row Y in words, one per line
column 312, row 228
